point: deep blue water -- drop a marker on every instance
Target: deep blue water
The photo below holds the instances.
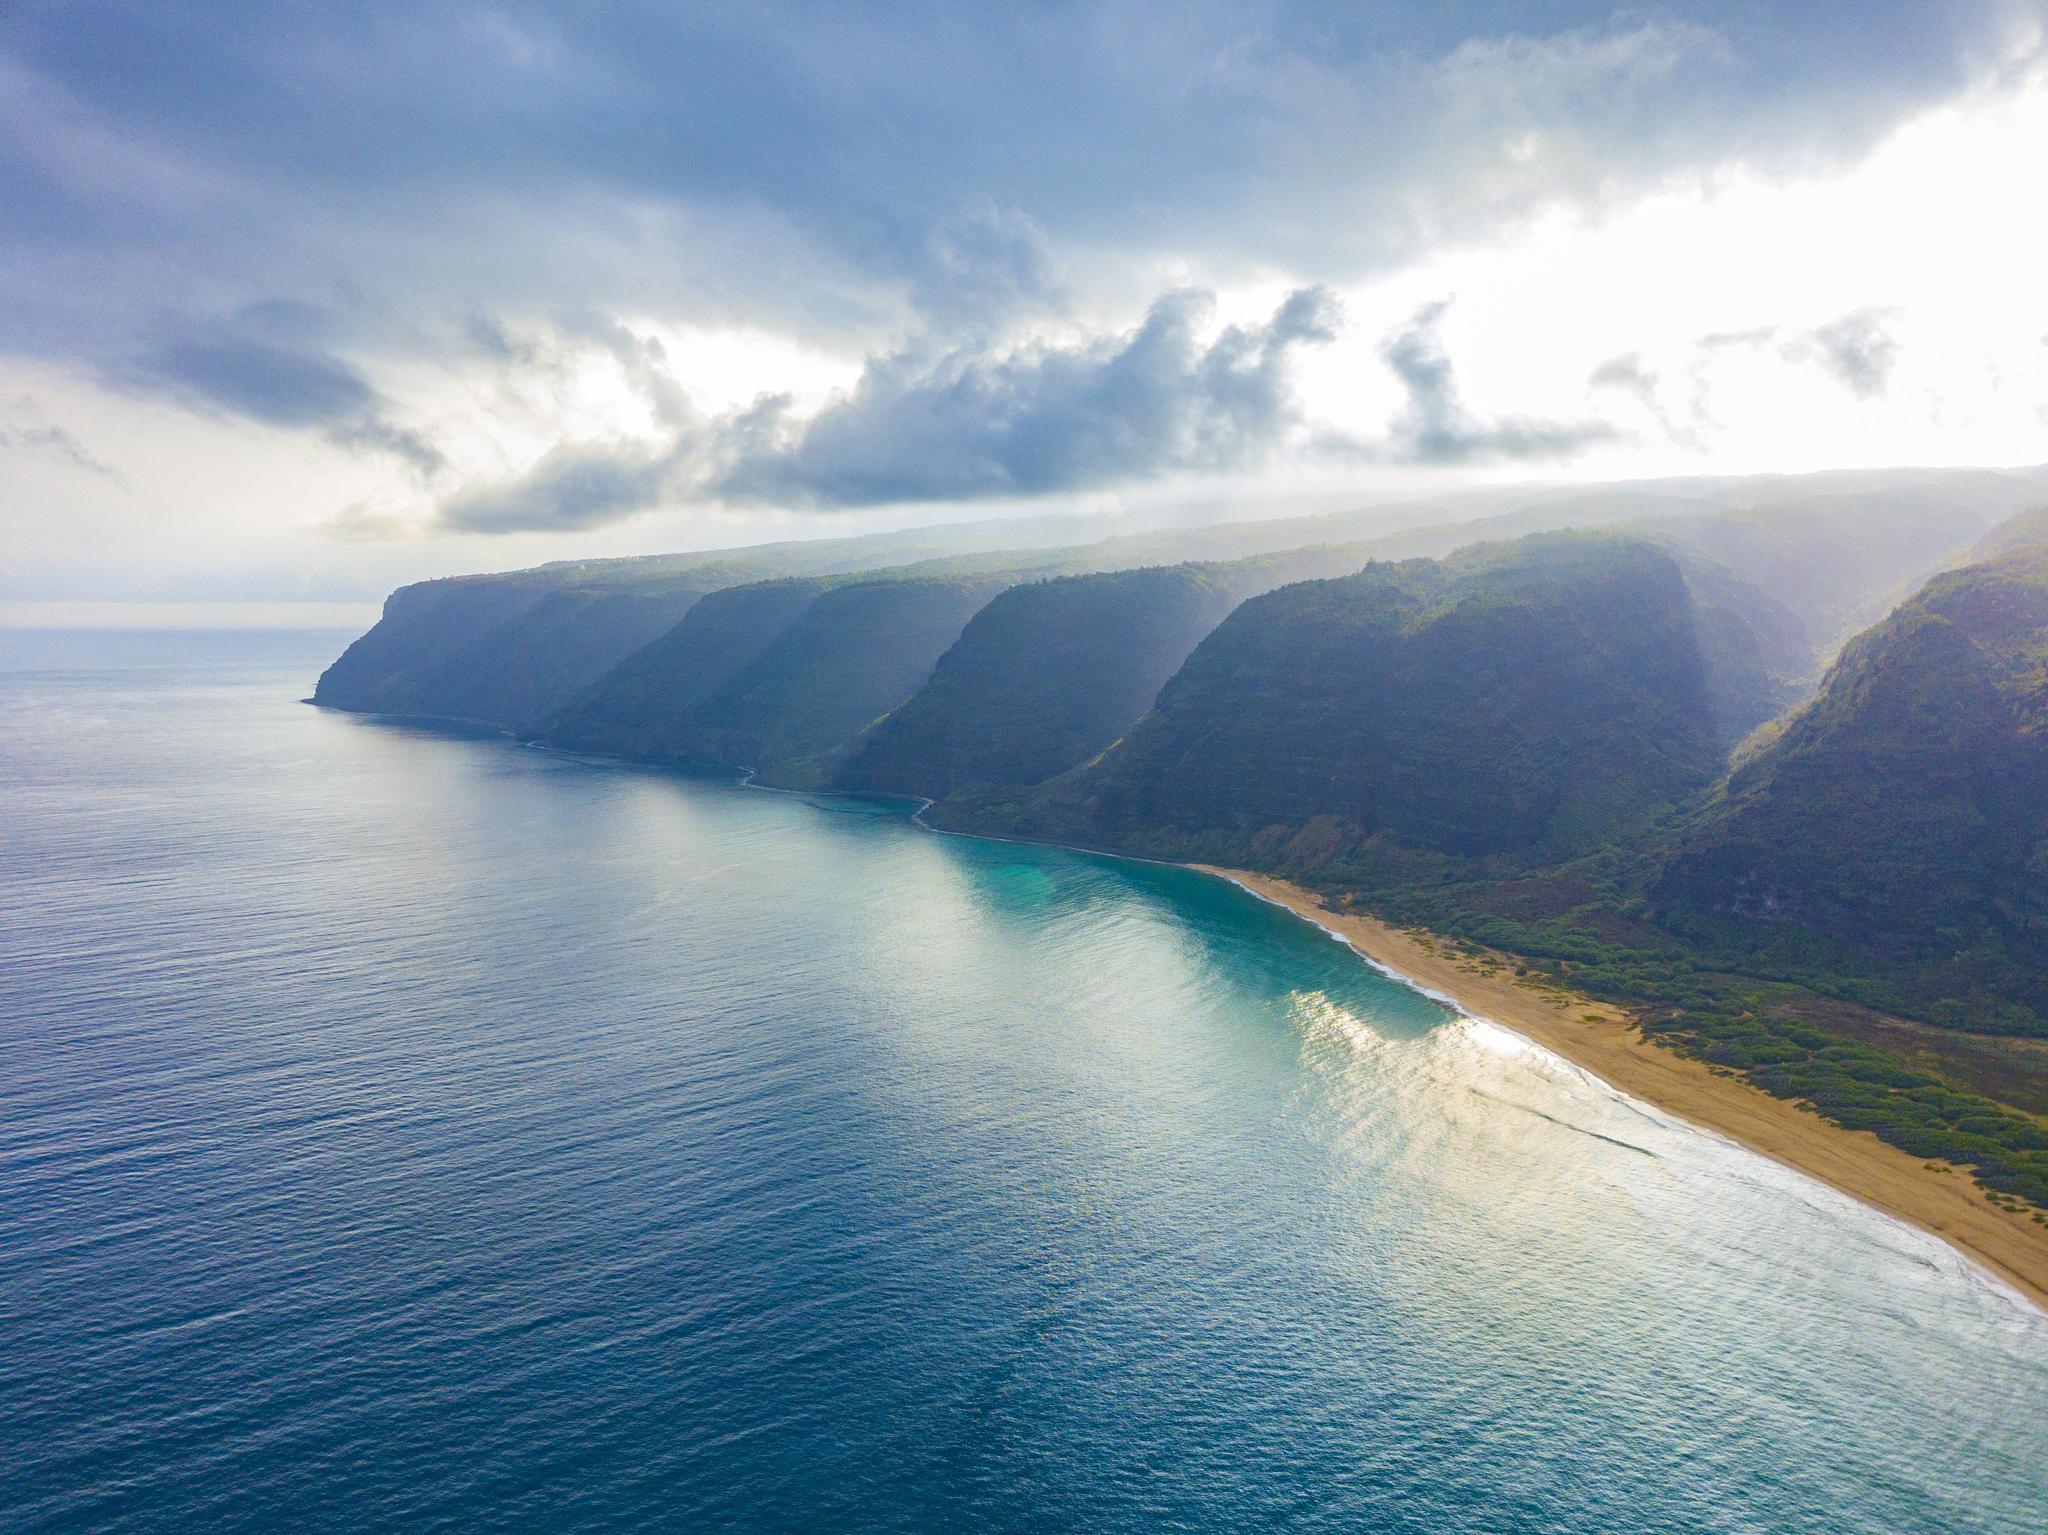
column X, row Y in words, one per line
column 404, row 1131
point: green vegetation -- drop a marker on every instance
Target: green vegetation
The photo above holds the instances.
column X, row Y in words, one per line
column 1052, row 672
column 1903, row 814
column 795, row 711
column 1572, row 748
column 1586, row 923
column 1538, row 693
column 510, row 650
column 1891, row 834
column 642, row 707
column 1044, row 677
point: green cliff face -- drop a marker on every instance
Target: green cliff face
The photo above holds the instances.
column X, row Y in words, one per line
column 515, row 648
column 1051, row 672
column 797, row 709
column 1046, row 675
column 2017, row 532
column 1905, row 811
column 1530, row 696
column 642, row 707
column 511, row 649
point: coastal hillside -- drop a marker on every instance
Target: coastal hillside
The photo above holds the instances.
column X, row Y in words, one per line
column 1528, row 696
column 1044, row 677
column 642, row 707
column 1905, row 811
column 2015, row 533
column 523, row 669
column 794, row 712
column 638, row 707
column 1052, row 672
column 513, row 649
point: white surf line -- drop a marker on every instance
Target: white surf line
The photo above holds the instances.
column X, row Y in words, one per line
column 1973, row 1268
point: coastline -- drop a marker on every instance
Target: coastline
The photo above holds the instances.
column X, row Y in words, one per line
column 1602, row 1039
column 1943, row 1201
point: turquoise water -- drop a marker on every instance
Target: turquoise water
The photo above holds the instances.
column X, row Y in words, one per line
column 401, row 1131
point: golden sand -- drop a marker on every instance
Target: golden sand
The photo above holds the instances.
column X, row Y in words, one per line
column 1604, row 1040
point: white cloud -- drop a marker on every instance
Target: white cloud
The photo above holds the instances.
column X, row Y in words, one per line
column 1914, row 278
column 1935, row 240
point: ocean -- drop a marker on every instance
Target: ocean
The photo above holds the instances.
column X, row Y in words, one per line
column 410, row 1130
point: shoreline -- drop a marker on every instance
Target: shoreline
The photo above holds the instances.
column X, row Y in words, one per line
column 1942, row 1201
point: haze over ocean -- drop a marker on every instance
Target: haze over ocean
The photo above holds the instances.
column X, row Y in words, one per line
column 407, row 1131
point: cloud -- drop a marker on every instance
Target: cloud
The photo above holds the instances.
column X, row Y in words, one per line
column 965, row 424
column 1722, row 340
column 982, row 268
column 909, row 185
column 572, row 487
column 52, row 441
column 1856, row 349
column 969, row 425
column 1435, row 427
column 869, row 170
column 278, row 383
column 494, row 339
column 642, row 360
column 1628, row 374
column 363, row 523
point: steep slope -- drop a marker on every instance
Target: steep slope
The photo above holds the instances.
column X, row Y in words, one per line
column 527, row 667
column 1051, row 672
column 424, row 627
column 490, row 648
column 1905, row 812
column 641, row 708
column 2015, row 533
column 1523, row 697
column 496, row 648
column 1044, row 677
column 855, row 653
column 1757, row 651
column 509, row 650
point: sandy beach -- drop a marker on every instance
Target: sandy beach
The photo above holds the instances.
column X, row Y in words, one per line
column 1605, row 1041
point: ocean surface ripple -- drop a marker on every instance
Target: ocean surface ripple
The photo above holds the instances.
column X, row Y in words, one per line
column 408, row 1131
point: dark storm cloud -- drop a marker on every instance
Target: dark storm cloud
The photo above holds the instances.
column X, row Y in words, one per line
column 864, row 170
column 275, row 384
column 1435, row 427
column 960, row 425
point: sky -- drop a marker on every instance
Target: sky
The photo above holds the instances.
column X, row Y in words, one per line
column 301, row 301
